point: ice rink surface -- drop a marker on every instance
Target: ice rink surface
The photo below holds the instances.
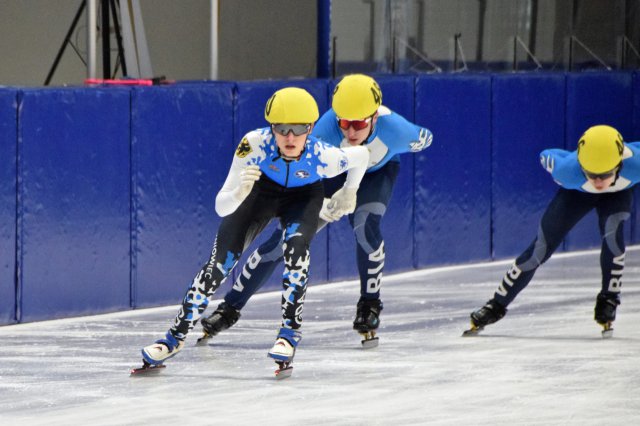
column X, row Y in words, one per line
column 545, row 363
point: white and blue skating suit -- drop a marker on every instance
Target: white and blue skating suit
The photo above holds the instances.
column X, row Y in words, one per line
column 575, row 198
column 391, row 136
column 288, row 190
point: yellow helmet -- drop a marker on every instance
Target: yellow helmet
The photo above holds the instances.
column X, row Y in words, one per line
column 291, row 105
column 356, row 97
column 600, row 149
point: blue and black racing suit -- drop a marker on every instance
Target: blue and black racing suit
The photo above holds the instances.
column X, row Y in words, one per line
column 574, row 199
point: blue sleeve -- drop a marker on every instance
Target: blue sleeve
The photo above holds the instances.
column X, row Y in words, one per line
column 564, row 167
column 401, row 136
column 326, row 129
column 631, row 165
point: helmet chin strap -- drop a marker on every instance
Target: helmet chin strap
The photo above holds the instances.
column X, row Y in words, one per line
column 366, row 140
column 617, row 173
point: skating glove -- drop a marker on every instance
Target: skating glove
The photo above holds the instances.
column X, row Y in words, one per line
column 343, row 201
column 328, row 213
column 248, row 177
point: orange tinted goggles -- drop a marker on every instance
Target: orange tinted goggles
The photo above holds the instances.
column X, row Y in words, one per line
column 356, row 124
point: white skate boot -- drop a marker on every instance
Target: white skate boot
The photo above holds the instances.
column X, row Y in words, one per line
column 162, row 349
column 154, row 355
column 283, row 351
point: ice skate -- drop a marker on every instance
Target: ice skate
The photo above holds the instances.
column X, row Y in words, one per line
column 147, row 369
column 474, row 330
column 491, row 312
column 367, row 321
column 605, row 313
column 221, row 319
column 607, row 330
column 283, row 351
column 153, row 356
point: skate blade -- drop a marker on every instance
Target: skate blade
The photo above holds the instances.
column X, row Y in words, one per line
column 370, row 340
column 607, row 331
column 473, row 331
column 284, row 371
column 204, row 339
column 370, row 343
column 147, row 369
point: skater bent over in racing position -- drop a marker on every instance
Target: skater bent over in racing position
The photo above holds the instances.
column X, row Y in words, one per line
column 276, row 172
column 600, row 175
column 357, row 118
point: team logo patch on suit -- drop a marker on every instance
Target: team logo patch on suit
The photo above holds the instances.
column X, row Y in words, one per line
column 244, row 148
column 274, row 168
column 302, row 174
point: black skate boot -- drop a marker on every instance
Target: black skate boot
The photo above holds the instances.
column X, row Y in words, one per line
column 367, row 321
column 491, row 312
column 222, row 318
column 605, row 312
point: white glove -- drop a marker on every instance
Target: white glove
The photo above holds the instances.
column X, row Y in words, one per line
column 248, row 177
column 344, row 201
column 328, row 212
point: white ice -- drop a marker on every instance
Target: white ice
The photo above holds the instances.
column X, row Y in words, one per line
column 545, row 363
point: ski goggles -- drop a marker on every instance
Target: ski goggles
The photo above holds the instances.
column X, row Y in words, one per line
column 297, row 129
column 601, row 176
column 356, row 124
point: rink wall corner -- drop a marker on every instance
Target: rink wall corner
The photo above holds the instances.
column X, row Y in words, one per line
column 107, row 193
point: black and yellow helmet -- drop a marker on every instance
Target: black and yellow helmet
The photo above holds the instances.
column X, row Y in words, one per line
column 356, row 97
column 600, row 149
column 291, row 105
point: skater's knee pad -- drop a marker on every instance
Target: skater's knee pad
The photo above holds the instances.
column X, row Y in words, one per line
column 366, row 226
column 611, row 226
column 536, row 254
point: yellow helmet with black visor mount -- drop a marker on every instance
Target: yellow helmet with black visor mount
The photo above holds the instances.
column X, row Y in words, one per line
column 600, row 151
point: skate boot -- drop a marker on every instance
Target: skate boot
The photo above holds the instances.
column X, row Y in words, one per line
column 284, row 350
column 491, row 312
column 222, row 318
column 605, row 313
column 367, row 321
column 153, row 356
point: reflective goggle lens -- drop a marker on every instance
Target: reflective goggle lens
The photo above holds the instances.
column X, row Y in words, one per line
column 356, row 124
column 601, row 176
column 296, row 129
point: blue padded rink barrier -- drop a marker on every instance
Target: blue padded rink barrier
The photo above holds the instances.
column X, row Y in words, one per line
column 545, row 363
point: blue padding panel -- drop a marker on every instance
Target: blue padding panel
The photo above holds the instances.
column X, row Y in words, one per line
column 596, row 98
column 181, row 154
column 453, row 194
column 397, row 225
column 74, row 195
column 8, row 137
column 250, row 102
column 528, row 116
column 635, row 136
